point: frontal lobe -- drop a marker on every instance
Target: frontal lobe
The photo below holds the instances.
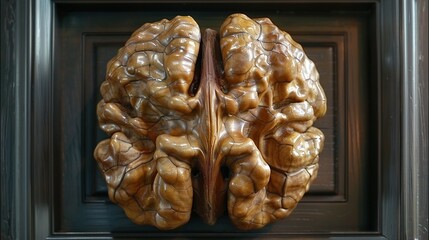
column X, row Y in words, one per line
column 272, row 97
column 146, row 110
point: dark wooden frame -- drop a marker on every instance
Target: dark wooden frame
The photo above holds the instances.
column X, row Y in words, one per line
column 27, row 120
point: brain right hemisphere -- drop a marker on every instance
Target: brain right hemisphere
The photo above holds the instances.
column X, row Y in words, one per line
column 273, row 95
column 176, row 123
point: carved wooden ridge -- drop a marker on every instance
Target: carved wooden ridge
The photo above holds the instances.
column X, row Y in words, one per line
column 225, row 128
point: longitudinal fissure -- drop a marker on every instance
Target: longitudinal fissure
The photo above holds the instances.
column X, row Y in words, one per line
column 225, row 118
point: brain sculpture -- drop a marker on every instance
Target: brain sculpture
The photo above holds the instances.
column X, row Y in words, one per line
column 208, row 123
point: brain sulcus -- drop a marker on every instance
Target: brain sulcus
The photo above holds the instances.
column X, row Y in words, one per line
column 212, row 123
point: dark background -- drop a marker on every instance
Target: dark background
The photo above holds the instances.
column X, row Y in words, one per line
column 373, row 167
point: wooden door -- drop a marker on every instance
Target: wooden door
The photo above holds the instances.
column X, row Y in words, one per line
column 356, row 192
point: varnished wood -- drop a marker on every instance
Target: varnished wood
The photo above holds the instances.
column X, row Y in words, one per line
column 96, row 212
column 415, row 134
column 31, row 172
column 249, row 109
column 15, row 120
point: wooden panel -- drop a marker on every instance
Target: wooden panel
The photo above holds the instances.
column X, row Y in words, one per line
column 28, row 121
column 8, row 117
column 327, row 51
column 97, row 50
column 341, row 199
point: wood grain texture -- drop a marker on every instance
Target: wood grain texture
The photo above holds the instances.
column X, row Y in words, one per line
column 42, row 118
column 385, row 43
column 97, row 50
column 175, row 123
column 389, row 118
column 414, row 131
column 422, row 153
column 14, row 120
column 8, row 117
column 327, row 51
column 90, row 28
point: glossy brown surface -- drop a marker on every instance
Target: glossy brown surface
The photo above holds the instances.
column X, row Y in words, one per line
column 228, row 126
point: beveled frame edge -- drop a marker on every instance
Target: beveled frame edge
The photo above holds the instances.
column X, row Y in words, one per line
column 26, row 149
column 15, row 119
column 414, row 132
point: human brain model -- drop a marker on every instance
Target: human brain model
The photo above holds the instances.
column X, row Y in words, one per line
column 208, row 124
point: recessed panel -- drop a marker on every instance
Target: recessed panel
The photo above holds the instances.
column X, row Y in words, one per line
column 100, row 48
column 339, row 200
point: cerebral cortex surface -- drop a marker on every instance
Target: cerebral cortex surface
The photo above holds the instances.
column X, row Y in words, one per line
column 210, row 124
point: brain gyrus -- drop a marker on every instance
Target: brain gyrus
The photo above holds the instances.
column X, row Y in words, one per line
column 212, row 123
